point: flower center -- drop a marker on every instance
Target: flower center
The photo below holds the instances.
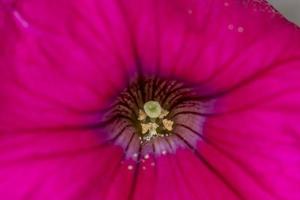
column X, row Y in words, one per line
column 155, row 116
column 154, row 122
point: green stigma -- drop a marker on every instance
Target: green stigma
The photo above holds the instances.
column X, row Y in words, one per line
column 152, row 109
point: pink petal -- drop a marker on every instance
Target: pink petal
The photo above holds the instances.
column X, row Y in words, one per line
column 63, row 61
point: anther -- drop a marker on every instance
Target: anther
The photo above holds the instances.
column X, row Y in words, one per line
column 142, row 115
column 163, row 114
column 168, row 124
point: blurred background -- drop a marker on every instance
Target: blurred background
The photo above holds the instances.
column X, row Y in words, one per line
column 289, row 8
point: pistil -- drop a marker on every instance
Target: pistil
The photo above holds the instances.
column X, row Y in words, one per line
column 152, row 109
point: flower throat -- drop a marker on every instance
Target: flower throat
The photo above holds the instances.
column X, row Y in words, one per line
column 155, row 116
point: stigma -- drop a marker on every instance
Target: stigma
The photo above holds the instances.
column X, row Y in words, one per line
column 154, row 122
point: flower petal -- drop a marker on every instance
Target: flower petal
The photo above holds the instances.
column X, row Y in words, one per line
column 63, row 61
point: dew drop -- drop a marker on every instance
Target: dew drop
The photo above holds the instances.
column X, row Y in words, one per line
column 130, row 167
column 230, row 27
column 240, row 29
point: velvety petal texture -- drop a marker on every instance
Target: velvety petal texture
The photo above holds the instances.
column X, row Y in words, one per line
column 64, row 62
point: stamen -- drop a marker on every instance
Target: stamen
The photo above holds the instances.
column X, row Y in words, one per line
column 142, row 115
column 145, row 128
column 163, row 114
column 168, row 124
column 152, row 131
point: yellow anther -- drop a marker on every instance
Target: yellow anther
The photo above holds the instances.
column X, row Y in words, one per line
column 163, row 114
column 153, row 127
column 142, row 115
column 145, row 128
column 168, row 124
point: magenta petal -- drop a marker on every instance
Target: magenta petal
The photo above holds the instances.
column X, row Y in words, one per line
column 63, row 63
column 50, row 165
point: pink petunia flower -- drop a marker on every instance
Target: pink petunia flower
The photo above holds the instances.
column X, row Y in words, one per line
column 148, row 99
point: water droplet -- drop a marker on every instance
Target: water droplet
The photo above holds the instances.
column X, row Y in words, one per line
column 230, row 26
column 130, row 167
column 240, row 29
column 135, row 155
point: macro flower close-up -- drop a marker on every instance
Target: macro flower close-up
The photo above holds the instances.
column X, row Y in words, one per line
column 148, row 99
